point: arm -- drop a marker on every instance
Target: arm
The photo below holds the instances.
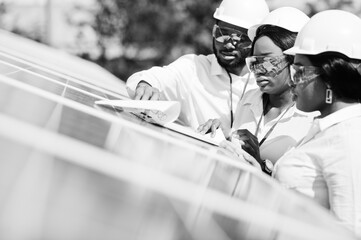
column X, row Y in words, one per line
column 161, row 82
column 249, row 143
column 233, row 149
column 342, row 176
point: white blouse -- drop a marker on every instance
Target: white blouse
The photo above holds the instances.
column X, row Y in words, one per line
column 290, row 129
column 326, row 165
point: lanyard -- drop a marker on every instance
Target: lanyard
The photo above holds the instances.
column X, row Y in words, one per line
column 273, row 126
column 231, row 93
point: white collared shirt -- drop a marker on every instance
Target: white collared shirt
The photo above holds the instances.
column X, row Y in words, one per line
column 200, row 84
column 290, row 129
column 326, row 166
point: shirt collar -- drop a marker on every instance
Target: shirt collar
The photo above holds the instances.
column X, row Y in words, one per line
column 216, row 69
column 340, row 116
column 256, row 101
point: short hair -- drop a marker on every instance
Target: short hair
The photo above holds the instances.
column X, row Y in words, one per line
column 281, row 37
column 341, row 73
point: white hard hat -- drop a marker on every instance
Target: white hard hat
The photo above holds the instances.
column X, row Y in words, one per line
column 242, row 13
column 289, row 18
column 330, row 31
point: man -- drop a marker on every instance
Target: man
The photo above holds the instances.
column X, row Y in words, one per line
column 207, row 86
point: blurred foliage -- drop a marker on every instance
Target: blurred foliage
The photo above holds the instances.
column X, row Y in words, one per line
column 353, row 6
column 132, row 35
column 153, row 32
column 156, row 32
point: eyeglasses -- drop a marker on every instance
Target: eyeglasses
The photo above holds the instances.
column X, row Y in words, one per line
column 267, row 66
column 303, row 74
column 224, row 34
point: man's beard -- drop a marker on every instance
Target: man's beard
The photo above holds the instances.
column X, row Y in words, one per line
column 235, row 64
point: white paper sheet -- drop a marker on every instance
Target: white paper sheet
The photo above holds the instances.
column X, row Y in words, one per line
column 219, row 137
column 162, row 113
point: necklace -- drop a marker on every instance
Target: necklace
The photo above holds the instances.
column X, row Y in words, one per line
column 274, row 125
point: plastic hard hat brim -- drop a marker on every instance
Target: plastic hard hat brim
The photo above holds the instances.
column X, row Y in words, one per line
column 330, row 31
column 233, row 21
column 252, row 31
column 296, row 50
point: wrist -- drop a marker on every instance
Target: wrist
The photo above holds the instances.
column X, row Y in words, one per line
column 267, row 167
column 143, row 83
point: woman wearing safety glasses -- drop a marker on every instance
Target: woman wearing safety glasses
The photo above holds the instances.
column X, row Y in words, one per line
column 267, row 122
column 326, row 77
column 326, row 165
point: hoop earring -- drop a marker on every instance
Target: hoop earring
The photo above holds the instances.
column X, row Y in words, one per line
column 328, row 99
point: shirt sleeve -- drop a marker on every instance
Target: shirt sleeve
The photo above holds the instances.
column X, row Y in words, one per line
column 167, row 78
column 342, row 175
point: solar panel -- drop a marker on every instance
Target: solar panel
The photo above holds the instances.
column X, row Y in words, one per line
column 70, row 169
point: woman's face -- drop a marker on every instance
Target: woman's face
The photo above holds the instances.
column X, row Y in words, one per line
column 264, row 46
column 310, row 95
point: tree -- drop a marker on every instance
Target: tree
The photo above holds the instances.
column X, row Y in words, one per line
column 132, row 35
column 154, row 32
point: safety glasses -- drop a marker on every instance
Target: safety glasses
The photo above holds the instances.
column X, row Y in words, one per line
column 304, row 74
column 224, row 34
column 266, row 66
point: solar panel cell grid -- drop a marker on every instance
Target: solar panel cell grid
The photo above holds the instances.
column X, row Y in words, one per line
column 80, row 171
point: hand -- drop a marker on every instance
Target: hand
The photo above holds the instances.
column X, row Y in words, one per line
column 234, row 150
column 210, row 126
column 249, row 142
column 145, row 91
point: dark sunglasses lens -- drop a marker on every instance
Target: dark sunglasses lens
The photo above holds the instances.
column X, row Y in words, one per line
column 258, row 68
column 304, row 74
column 268, row 66
column 223, row 34
column 297, row 73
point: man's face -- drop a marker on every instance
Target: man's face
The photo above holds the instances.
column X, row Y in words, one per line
column 231, row 44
